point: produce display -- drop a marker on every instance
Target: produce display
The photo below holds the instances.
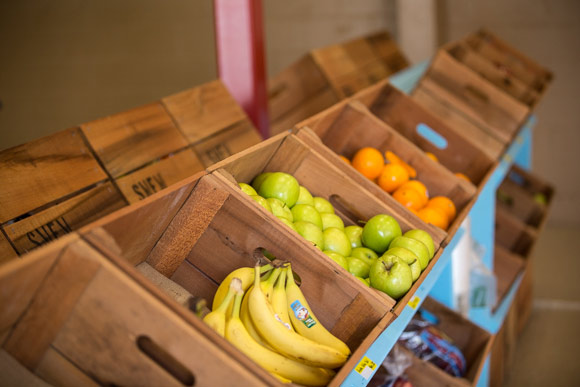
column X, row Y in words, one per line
column 398, row 178
column 377, row 253
column 263, row 313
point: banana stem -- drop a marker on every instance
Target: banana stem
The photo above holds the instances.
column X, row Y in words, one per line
column 235, row 286
column 237, row 303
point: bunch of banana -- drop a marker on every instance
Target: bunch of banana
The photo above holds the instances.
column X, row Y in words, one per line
column 272, row 323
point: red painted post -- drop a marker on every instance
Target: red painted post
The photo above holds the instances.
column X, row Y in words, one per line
column 240, row 56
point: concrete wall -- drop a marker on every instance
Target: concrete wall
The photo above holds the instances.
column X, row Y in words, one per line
column 549, row 32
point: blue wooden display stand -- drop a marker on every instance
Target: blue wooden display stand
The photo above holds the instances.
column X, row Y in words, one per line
column 438, row 283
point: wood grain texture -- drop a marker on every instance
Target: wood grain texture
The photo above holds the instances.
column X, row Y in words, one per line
column 52, row 305
column 42, row 171
column 13, row 374
column 186, row 227
column 508, row 57
column 404, row 115
column 131, row 232
column 427, row 95
column 59, row 371
column 340, row 70
column 100, row 337
column 513, row 234
column 366, row 60
column 386, row 48
column 494, row 74
column 130, row 139
column 290, row 89
column 506, row 268
column 7, row 252
column 203, row 110
column 226, row 142
column 20, row 280
column 478, row 99
column 524, row 299
column 63, row 218
column 153, row 178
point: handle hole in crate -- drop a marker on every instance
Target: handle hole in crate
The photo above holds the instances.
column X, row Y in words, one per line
column 432, row 136
column 165, row 360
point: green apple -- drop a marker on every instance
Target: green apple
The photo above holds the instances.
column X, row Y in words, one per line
column 322, row 205
column 280, row 209
column 394, row 279
column 541, row 199
column 379, row 231
column 422, row 236
column 304, row 196
column 306, row 213
column 415, row 246
column 331, row 220
column 247, row 189
column 363, row 280
column 365, row 254
column 336, row 257
column 258, row 180
column 408, row 257
column 287, row 223
column 261, row 201
column 354, row 234
column 335, row 240
column 358, row 267
column 310, row 232
column 282, row 186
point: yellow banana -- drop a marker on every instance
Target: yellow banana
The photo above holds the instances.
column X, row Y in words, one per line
column 216, row 319
column 305, row 322
column 279, row 303
column 268, row 285
column 247, row 320
column 281, row 378
column 245, row 274
column 286, row 341
column 272, row 361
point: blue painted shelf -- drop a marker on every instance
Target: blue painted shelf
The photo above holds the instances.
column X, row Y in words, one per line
column 438, row 282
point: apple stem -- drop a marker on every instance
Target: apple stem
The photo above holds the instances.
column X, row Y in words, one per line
column 387, row 266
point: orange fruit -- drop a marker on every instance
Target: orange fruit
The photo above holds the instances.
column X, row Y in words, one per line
column 344, row 159
column 434, row 216
column 392, row 177
column 419, row 187
column 432, row 156
column 368, row 161
column 408, row 197
column 445, row 205
column 462, row 176
column 394, row 159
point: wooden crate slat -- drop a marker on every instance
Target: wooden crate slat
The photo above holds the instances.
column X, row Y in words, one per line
column 201, row 111
column 62, row 218
column 506, row 267
column 476, row 98
column 387, row 49
column 7, row 252
column 427, row 94
column 159, row 175
column 128, row 140
column 42, row 171
column 368, row 63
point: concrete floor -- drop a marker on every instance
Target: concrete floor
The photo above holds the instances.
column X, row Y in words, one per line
column 548, row 349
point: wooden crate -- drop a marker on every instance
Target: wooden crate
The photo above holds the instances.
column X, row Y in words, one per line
column 329, row 74
column 72, row 317
column 353, row 127
column 199, row 230
column 62, row 182
column 473, row 107
column 52, row 186
column 322, row 177
column 510, row 61
column 474, row 342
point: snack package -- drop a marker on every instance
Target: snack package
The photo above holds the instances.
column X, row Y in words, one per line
column 430, row 344
column 392, row 371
